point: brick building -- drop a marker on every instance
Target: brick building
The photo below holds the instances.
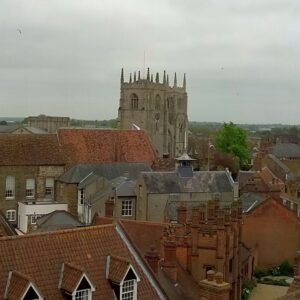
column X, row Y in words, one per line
column 48, row 123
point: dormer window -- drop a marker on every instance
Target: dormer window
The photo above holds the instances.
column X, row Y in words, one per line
column 75, row 282
column 122, row 277
column 26, row 289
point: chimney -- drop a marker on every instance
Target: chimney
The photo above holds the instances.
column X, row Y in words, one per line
column 109, row 207
column 219, row 278
column 210, row 275
column 169, row 262
column 181, row 214
column 152, row 258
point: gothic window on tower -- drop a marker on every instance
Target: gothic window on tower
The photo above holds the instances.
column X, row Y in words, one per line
column 134, row 101
column 157, row 102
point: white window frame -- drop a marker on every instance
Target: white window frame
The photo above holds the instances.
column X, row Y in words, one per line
column 10, row 184
column 11, row 215
column 34, row 218
column 125, row 293
column 85, row 294
column 49, row 187
column 90, row 290
column 127, row 207
column 30, row 189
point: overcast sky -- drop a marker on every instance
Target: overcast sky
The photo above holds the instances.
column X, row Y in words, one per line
column 63, row 57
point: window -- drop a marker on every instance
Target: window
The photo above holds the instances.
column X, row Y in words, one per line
column 83, row 294
column 49, row 189
column 82, row 196
column 30, row 183
column 128, row 291
column 157, row 102
column 134, row 101
column 10, row 187
column 126, row 208
column 34, row 219
column 11, row 215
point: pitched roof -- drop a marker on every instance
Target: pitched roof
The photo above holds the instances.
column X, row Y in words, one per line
column 251, row 200
column 243, row 177
column 117, row 268
column 286, row 150
column 6, row 229
column 58, row 219
column 200, row 182
column 35, row 149
column 84, row 247
column 105, row 145
column 107, row 170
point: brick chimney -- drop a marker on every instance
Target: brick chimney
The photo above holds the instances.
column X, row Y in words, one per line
column 152, row 258
column 169, row 262
column 109, row 207
column 181, row 214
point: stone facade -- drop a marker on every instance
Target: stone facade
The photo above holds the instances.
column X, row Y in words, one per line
column 48, row 123
column 156, row 107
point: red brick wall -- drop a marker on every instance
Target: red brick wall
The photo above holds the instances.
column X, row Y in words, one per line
column 275, row 229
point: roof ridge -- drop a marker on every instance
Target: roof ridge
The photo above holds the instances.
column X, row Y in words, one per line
column 143, row 222
column 56, row 232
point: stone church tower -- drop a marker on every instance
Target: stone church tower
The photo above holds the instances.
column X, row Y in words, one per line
column 156, row 107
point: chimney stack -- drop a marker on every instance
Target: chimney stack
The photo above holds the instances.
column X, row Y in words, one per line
column 109, row 207
column 152, row 258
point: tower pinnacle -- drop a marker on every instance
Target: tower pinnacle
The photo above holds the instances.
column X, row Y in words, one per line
column 122, row 76
column 184, row 82
column 175, row 80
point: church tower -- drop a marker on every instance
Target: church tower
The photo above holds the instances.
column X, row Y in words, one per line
column 158, row 108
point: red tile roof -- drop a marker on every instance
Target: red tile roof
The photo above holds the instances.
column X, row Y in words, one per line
column 118, row 267
column 144, row 234
column 103, row 145
column 27, row 149
column 70, row 277
column 17, row 285
column 40, row 256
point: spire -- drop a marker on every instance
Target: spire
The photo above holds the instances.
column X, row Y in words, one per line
column 134, row 77
column 164, row 80
column 168, row 79
column 148, row 74
column 122, row 75
column 175, row 80
column 151, row 77
column 130, row 79
column 157, row 78
column 184, row 82
column 139, row 76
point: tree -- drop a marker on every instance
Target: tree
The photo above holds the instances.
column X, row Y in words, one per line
column 233, row 140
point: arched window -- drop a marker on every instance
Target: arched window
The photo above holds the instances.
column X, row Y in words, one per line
column 134, row 101
column 157, row 102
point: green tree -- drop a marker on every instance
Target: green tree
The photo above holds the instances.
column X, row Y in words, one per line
column 233, row 140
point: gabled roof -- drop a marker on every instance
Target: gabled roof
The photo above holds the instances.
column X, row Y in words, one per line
column 286, row 150
column 117, row 268
column 18, row 285
column 200, row 182
column 71, row 276
column 105, row 145
column 251, row 200
column 87, row 247
column 27, row 149
column 243, row 177
column 58, row 219
column 107, row 170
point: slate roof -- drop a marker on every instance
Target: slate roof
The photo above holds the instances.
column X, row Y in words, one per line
column 27, row 149
column 8, row 128
column 201, row 182
column 105, row 145
column 6, row 229
column 251, row 200
column 106, row 170
column 86, row 247
column 286, row 150
column 58, row 219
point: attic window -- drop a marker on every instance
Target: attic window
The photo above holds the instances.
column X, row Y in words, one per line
column 123, row 278
column 75, row 282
